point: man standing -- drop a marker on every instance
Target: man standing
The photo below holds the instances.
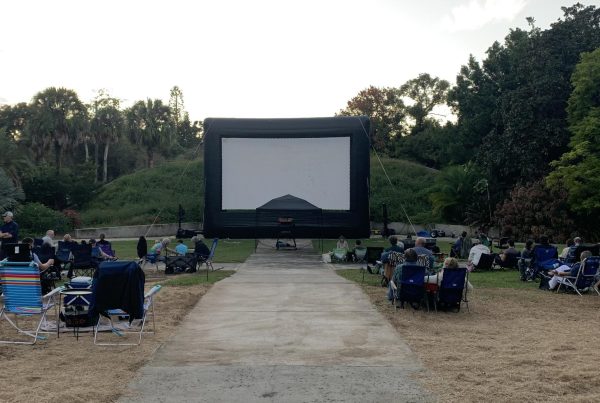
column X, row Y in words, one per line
column 9, row 231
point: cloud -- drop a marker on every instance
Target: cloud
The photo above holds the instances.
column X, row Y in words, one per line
column 478, row 13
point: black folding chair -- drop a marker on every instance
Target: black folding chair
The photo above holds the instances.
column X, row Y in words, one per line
column 82, row 260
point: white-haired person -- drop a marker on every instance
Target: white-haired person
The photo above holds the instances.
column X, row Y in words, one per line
column 434, row 280
column 200, row 249
column 160, row 246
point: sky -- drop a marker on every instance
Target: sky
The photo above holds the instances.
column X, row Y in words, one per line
column 241, row 58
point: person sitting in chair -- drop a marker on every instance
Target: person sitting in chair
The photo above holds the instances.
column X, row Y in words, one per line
column 504, row 256
column 342, row 243
column 200, row 249
column 462, row 246
column 181, row 248
column 410, row 257
column 475, row 253
column 563, row 271
column 48, row 238
column 98, row 253
column 45, row 280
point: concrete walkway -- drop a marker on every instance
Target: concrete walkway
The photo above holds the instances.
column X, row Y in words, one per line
column 284, row 328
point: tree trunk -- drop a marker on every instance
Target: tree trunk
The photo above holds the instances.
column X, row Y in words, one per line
column 87, row 151
column 57, row 155
column 96, row 162
column 105, row 163
column 150, row 153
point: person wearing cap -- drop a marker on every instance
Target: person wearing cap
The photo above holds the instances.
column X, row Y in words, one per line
column 9, row 231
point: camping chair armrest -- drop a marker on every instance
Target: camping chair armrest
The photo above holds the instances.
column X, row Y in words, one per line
column 153, row 291
column 393, row 285
column 52, row 293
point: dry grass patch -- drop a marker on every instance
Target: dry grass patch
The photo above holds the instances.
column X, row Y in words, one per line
column 66, row 369
column 514, row 345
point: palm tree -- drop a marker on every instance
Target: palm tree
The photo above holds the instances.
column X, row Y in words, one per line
column 149, row 126
column 9, row 193
column 107, row 125
column 58, row 118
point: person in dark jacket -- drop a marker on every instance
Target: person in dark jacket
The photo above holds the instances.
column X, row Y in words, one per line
column 200, row 249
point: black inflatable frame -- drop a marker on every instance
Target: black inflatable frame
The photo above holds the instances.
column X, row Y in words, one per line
column 243, row 224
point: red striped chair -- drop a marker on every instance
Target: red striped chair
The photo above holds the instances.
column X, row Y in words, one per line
column 22, row 291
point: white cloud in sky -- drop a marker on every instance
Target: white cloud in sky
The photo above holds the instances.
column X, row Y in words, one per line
column 477, row 13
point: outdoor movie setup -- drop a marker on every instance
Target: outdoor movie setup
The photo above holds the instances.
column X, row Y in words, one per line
column 286, row 178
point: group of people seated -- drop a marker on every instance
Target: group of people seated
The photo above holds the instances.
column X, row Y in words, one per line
column 343, row 251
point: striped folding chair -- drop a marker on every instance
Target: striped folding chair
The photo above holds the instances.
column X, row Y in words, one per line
column 20, row 282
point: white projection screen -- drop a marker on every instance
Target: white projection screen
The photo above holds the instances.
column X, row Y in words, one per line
column 257, row 170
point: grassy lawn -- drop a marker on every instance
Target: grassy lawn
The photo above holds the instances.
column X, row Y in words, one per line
column 228, row 251
column 494, row 279
column 192, row 279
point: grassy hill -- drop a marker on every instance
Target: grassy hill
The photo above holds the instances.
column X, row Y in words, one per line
column 139, row 197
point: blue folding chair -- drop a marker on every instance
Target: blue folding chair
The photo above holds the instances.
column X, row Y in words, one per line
column 452, row 289
column 544, row 258
column 586, row 276
column 20, row 282
column 412, row 286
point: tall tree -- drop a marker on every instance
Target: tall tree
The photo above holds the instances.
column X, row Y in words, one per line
column 103, row 101
column 176, row 107
column 425, row 93
column 57, row 119
column 532, row 71
column 579, row 169
column 149, row 125
column 10, row 195
column 107, row 125
column 387, row 112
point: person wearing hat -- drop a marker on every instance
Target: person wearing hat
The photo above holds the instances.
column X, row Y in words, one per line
column 9, row 231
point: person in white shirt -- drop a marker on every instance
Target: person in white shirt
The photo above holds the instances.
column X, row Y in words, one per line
column 475, row 253
column 49, row 238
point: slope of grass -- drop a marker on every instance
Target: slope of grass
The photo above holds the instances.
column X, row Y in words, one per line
column 137, row 198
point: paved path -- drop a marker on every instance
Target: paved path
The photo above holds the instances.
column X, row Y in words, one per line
column 284, row 328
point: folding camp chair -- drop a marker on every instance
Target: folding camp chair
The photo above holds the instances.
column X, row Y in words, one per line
column 82, row 260
column 208, row 259
column 20, row 282
column 452, row 290
column 179, row 264
column 585, row 278
column 511, row 262
column 118, row 298
column 411, row 288
column 339, row 255
column 486, row 261
column 360, row 255
column 544, row 258
column 107, row 248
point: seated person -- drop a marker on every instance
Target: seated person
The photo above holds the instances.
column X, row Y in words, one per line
column 67, row 238
column 475, row 253
column 159, row 247
column 462, row 246
column 571, row 256
column 552, row 260
column 422, row 250
column 565, row 252
column 450, row 263
column 563, row 271
column 97, row 253
column 358, row 246
column 342, row 243
column 410, row 257
column 102, row 240
column 46, row 283
column 181, row 249
column 48, row 238
column 200, row 249
column 395, row 246
column 504, row 256
column 524, row 261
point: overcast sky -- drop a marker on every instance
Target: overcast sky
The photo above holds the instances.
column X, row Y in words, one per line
column 247, row 58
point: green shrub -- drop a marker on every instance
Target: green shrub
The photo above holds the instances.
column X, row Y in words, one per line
column 35, row 219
